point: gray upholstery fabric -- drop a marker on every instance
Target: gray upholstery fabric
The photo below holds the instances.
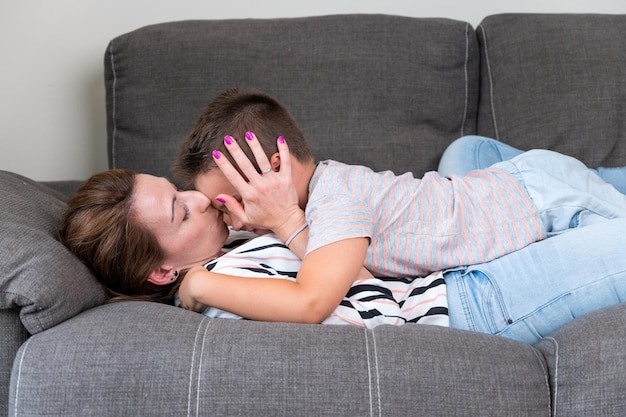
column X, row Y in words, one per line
column 365, row 89
column 13, row 335
column 385, row 91
column 38, row 276
column 586, row 360
column 65, row 189
column 158, row 360
column 556, row 83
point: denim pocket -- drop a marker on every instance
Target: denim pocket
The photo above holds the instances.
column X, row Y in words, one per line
column 484, row 301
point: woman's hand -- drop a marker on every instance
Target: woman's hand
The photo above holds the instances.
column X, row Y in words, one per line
column 191, row 287
column 268, row 200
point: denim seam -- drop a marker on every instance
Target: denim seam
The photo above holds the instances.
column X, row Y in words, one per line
column 506, row 316
column 465, row 309
column 521, row 319
column 493, row 290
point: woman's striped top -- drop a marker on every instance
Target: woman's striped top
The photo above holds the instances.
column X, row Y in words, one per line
column 368, row 303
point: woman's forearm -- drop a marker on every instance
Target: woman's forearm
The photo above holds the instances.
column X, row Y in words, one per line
column 324, row 278
column 267, row 299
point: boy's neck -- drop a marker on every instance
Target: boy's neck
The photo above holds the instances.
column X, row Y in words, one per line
column 302, row 172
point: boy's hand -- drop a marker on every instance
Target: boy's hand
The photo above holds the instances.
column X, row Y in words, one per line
column 269, row 200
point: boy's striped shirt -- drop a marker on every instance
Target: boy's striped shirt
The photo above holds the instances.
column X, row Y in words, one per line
column 418, row 226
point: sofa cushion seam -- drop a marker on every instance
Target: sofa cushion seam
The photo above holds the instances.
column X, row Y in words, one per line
column 206, row 328
column 19, row 377
column 377, row 374
column 193, row 362
column 555, row 384
column 465, row 72
column 490, row 81
column 545, row 372
column 369, row 370
column 113, row 106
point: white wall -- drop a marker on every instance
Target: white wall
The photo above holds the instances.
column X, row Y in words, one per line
column 52, row 115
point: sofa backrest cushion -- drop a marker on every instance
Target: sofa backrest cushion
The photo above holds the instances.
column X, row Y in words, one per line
column 389, row 92
column 39, row 277
column 556, row 82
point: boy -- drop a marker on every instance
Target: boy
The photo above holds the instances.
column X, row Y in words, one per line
column 394, row 225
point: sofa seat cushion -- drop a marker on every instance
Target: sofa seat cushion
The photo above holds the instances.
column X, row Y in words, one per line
column 122, row 356
column 38, row 275
column 586, row 360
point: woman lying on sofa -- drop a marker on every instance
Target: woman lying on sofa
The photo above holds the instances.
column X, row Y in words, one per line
column 132, row 230
column 122, row 224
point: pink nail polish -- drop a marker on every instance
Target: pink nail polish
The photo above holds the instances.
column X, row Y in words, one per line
column 249, row 136
column 221, row 200
column 281, row 139
column 228, row 139
column 216, row 154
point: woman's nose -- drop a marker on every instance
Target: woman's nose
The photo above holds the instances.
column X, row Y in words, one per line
column 201, row 201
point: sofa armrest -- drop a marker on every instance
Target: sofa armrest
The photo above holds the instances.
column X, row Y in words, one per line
column 39, row 277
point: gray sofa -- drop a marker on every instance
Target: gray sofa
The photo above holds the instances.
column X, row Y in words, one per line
column 386, row 91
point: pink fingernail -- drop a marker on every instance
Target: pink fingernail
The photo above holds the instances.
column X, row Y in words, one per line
column 221, row 200
column 281, row 139
column 216, row 154
column 228, row 139
column 249, row 136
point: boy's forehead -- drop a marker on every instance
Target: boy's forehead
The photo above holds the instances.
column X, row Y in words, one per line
column 212, row 183
column 210, row 176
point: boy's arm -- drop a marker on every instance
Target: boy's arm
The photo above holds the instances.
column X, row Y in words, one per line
column 299, row 244
column 324, row 278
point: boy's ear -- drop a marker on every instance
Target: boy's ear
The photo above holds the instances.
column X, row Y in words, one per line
column 161, row 275
column 275, row 162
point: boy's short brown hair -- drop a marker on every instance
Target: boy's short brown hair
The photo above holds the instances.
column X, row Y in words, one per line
column 235, row 112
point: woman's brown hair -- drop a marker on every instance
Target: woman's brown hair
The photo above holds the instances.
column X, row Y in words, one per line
column 100, row 228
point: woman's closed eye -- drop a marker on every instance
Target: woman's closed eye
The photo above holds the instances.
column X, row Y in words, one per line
column 186, row 215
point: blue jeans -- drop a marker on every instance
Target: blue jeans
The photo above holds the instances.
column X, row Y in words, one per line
column 476, row 152
column 529, row 293
column 565, row 193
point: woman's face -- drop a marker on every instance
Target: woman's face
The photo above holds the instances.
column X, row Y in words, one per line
column 189, row 230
